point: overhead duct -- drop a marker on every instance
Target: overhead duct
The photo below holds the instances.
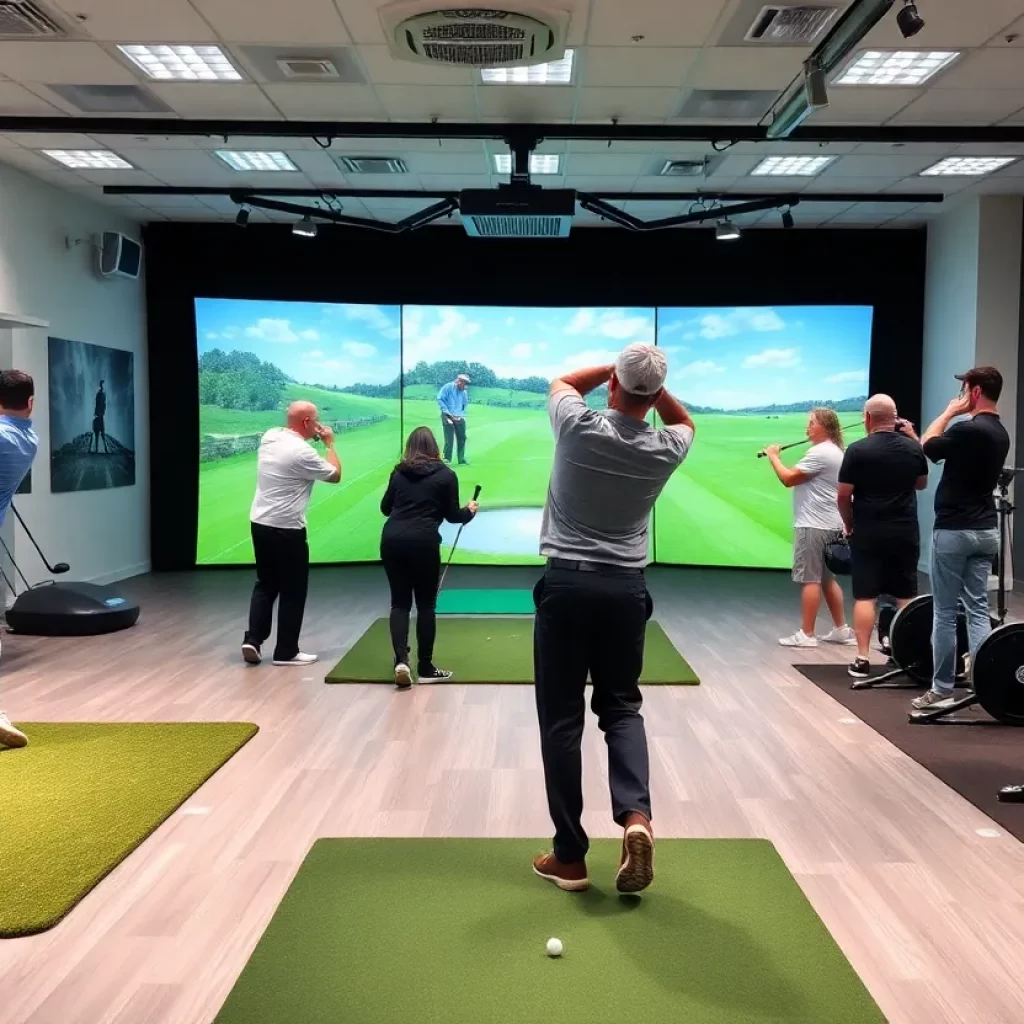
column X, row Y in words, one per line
column 518, row 211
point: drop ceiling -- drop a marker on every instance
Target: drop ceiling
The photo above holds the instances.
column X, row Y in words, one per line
column 636, row 62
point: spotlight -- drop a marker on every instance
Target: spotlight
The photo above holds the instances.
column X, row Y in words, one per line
column 908, row 20
column 787, row 219
column 242, row 217
column 305, row 227
column 726, row 231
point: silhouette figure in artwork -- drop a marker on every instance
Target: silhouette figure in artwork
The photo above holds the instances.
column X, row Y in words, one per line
column 98, row 427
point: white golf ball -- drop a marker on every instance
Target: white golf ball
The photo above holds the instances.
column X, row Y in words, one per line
column 554, row 947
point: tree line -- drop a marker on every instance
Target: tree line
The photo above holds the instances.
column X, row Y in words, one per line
column 239, row 380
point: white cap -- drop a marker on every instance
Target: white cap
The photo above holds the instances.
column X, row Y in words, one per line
column 465, row 377
column 641, row 369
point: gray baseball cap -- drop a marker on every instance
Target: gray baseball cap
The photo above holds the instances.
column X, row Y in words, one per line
column 641, row 369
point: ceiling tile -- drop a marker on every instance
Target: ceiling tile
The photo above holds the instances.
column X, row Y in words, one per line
column 65, row 63
column 413, row 102
column 868, row 166
column 600, row 183
column 628, row 104
column 305, row 101
column 527, row 102
column 635, row 65
column 302, row 22
column 454, row 182
column 1013, row 35
column 181, row 165
column 963, row 106
column 216, row 99
column 737, row 67
column 132, row 21
column 383, row 69
column 53, row 140
column 113, row 177
column 447, row 163
column 16, row 99
column 951, row 24
column 116, row 142
column 680, row 23
column 986, row 69
column 316, row 164
column 27, row 160
column 863, row 104
column 622, row 164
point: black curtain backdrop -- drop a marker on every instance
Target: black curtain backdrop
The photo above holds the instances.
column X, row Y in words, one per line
column 593, row 267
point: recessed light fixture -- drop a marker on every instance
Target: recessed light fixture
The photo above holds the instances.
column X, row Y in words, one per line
column 967, row 166
column 540, row 163
column 792, row 166
column 557, row 72
column 89, row 159
column 256, row 160
column 182, row 63
column 895, row 67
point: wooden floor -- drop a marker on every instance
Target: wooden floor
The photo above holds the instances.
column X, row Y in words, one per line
column 929, row 910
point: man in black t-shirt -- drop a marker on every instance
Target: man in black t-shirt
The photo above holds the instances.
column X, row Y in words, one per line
column 878, row 484
column 966, row 538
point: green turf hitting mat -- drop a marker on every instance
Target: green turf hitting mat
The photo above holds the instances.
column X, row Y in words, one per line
column 492, row 650
column 453, row 931
column 485, row 602
column 80, row 797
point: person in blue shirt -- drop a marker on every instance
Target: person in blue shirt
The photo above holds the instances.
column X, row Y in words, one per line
column 18, row 446
column 453, row 399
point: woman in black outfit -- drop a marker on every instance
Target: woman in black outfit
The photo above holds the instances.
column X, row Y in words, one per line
column 421, row 492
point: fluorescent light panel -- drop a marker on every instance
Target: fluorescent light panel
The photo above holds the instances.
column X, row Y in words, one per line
column 256, row 160
column 557, row 72
column 182, row 63
column 967, row 166
column 88, row 159
column 895, row 67
column 792, row 166
column 540, row 163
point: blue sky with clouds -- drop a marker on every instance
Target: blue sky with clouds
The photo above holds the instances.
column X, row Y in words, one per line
column 733, row 357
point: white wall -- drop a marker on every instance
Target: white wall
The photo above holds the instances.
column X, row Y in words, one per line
column 104, row 535
column 972, row 313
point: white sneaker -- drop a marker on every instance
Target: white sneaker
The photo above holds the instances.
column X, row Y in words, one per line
column 9, row 736
column 799, row 639
column 403, row 677
column 299, row 659
column 840, row 635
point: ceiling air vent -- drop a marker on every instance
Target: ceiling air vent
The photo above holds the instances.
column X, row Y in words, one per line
column 307, row 67
column 727, row 104
column 372, row 165
column 684, row 168
column 22, row 19
column 477, row 37
column 790, row 24
column 111, row 99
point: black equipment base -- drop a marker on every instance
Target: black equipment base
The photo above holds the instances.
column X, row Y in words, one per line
column 71, row 609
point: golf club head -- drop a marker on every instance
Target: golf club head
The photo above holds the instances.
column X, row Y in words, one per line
column 61, row 567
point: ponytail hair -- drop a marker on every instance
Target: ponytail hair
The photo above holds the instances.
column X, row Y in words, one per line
column 829, row 422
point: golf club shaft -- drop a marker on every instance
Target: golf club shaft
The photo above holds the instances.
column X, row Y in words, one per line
column 49, row 567
column 476, row 494
column 807, row 440
column 15, row 564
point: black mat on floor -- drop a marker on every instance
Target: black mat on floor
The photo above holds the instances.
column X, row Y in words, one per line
column 976, row 761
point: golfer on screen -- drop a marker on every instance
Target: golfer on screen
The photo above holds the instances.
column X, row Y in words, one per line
column 452, row 399
column 592, row 602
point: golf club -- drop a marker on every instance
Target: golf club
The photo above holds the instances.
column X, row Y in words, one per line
column 28, row 586
column 807, row 440
column 60, row 567
column 476, row 494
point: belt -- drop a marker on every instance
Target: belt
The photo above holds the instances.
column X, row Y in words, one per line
column 606, row 568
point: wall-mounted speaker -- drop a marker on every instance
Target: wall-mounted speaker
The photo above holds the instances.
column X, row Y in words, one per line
column 119, row 255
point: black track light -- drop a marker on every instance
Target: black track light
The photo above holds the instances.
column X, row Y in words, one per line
column 787, row 219
column 242, row 217
column 908, row 20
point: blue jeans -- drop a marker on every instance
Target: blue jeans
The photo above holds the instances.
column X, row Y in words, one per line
column 961, row 563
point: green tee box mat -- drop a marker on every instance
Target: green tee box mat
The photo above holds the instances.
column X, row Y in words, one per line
column 481, row 649
column 453, row 931
column 485, row 602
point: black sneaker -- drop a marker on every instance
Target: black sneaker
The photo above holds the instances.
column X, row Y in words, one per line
column 885, row 646
column 251, row 654
column 432, row 674
column 860, row 669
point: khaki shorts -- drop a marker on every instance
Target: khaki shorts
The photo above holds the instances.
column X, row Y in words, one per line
column 809, row 547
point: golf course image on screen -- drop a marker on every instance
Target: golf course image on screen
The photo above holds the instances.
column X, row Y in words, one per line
column 748, row 375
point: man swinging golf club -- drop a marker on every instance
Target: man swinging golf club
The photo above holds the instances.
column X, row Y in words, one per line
column 592, row 602
column 453, row 401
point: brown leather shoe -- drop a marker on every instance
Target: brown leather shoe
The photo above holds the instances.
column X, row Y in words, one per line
column 570, row 877
column 636, row 867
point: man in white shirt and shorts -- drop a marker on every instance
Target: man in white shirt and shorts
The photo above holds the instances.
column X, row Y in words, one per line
column 817, row 524
column 287, row 468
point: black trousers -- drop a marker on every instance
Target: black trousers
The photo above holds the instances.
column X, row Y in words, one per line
column 413, row 566
column 454, row 432
column 590, row 622
column 282, row 571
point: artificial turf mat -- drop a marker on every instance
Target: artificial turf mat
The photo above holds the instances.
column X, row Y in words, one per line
column 453, row 931
column 485, row 602
column 492, row 650
column 80, row 797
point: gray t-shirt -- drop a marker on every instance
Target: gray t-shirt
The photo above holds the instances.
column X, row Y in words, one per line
column 815, row 502
column 609, row 469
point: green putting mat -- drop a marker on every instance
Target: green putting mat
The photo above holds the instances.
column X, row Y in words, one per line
column 485, row 602
column 492, row 650
column 453, row 931
column 80, row 797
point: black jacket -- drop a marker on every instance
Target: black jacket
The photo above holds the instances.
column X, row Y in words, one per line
column 418, row 498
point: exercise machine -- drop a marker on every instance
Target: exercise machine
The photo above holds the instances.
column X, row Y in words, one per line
column 65, row 609
column 997, row 669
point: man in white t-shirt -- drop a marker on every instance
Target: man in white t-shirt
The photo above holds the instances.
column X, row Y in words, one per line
column 287, row 467
column 817, row 524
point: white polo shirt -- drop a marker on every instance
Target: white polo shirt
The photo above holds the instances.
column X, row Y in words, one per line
column 287, row 467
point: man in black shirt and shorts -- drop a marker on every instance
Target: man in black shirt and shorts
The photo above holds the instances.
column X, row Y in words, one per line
column 878, row 482
column 966, row 538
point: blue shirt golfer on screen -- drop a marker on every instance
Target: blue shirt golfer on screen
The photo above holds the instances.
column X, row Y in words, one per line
column 453, row 399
